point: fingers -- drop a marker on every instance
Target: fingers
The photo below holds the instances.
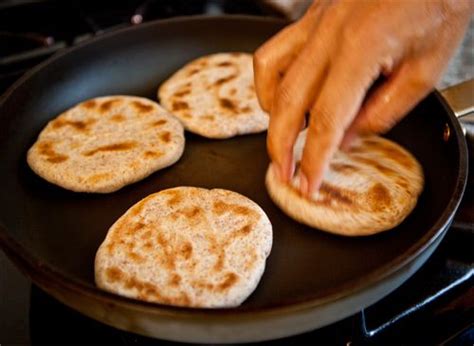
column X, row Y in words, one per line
column 412, row 81
column 295, row 94
column 336, row 106
column 273, row 58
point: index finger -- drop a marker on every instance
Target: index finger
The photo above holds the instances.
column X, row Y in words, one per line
column 338, row 103
column 273, row 58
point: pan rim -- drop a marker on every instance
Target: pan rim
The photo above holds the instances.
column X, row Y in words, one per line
column 33, row 266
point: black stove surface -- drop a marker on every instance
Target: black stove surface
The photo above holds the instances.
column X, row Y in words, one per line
column 435, row 306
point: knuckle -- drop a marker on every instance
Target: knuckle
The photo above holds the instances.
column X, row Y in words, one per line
column 322, row 120
column 261, row 58
column 286, row 97
column 354, row 36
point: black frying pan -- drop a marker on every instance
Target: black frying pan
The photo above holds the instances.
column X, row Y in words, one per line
column 312, row 278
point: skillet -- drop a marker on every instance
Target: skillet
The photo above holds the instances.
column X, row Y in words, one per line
column 312, row 278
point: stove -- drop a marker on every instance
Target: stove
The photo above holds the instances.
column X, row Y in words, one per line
column 435, row 306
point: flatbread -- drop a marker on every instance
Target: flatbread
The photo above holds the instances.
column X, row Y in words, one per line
column 370, row 189
column 105, row 143
column 214, row 96
column 186, row 246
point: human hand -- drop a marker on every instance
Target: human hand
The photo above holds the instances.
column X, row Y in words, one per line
column 326, row 62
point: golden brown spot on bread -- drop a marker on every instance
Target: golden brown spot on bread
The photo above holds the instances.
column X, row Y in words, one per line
column 187, row 116
column 158, row 123
column 147, row 291
column 228, row 104
column 219, row 265
column 186, row 250
column 251, row 88
column 46, row 149
column 167, row 256
column 151, row 154
column 114, row 274
column 57, row 158
column 379, row 197
column 107, row 105
column 403, row 183
column 77, row 125
column 221, row 207
column 98, row 177
column 111, row 247
column 75, row 144
column 161, row 240
column 112, row 147
column 137, row 209
column 229, row 280
column 142, row 107
column 179, row 105
column 232, row 91
column 246, row 109
column 390, row 151
column 175, row 279
column 136, row 257
column 193, row 71
column 331, row 194
column 236, row 54
column 146, row 235
column 182, row 93
column 250, row 263
column 342, row 167
column 176, row 197
column 130, row 245
column 191, row 211
column 148, row 245
column 225, row 64
column 89, row 104
column 223, row 80
column 208, row 117
column 336, row 194
column 203, row 285
column 399, row 156
column 243, row 231
column 117, row 118
column 165, row 136
column 375, row 164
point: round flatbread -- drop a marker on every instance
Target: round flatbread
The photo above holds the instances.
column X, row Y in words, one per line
column 369, row 189
column 214, row 96
column 105, row 143
column 186, row 246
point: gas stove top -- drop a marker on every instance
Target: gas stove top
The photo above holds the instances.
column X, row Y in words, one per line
column 435, row 306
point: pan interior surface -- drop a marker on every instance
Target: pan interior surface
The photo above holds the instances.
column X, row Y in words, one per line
column 62, row 230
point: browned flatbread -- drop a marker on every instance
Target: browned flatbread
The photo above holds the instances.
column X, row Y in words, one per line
column 214, row 96
column 186, row 246
column 370, row 189
column 106, row 143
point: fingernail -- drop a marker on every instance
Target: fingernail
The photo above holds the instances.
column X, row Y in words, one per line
column 303, row 184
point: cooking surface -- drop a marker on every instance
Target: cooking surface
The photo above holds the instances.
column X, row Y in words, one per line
column 40, row 302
